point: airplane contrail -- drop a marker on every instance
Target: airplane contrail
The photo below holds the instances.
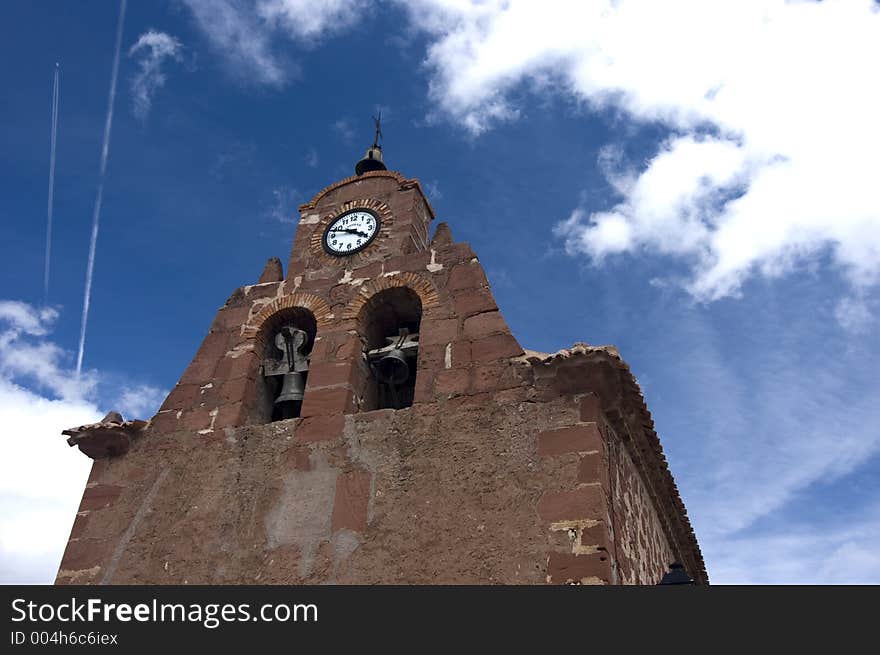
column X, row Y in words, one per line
column 52, row 141
column 96, row 216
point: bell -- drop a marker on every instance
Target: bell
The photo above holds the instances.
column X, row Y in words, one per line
column 292, row 390
column 392, row 368
column 372, row 161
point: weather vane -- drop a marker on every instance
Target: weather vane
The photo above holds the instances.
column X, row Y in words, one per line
column 378, row 121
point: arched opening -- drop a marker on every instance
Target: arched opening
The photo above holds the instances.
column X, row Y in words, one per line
column 285, row 341
column 389, row 326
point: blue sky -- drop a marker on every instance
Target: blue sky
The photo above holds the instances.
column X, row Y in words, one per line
column 692, row 182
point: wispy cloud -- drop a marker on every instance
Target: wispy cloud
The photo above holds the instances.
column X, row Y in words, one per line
column 854, row 315
column 241, row 39
column 343, row 128
column 152, row 49
column 432, row 188
column 311, row 158
column 845, row 553
column 283, row 206
column 139, row 401
column 764, row 427
column 233, row 157
column 307, row 19
column 244, row 32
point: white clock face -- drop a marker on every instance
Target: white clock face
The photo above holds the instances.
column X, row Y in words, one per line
column 351, row 232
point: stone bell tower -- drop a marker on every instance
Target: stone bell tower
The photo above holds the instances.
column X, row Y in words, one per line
column 369, row 418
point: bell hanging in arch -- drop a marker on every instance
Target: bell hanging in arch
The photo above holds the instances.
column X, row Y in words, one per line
column 292, row 389
column 392, row 368
column 289, row 401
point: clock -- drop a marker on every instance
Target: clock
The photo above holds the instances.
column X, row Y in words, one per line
column 351, row 232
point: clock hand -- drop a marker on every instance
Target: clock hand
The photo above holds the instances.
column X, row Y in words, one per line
column 350, row 231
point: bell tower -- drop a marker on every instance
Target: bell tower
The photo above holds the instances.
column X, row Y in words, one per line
column 370, row 418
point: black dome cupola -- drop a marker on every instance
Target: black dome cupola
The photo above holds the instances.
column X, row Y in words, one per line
column 372, row 160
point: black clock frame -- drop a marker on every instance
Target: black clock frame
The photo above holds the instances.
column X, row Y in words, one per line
column 366, row 244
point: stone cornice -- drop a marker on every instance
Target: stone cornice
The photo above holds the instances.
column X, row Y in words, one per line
column 403, row 182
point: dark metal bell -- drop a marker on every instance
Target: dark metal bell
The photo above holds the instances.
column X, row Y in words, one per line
column 372, row 161
column 293, row 388
column 392, row 368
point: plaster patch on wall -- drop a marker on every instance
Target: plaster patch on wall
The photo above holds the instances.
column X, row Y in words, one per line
column 447, row 360
column 257, row 306
column 434, row 267
column 575, row 528
column 73, row 576
column 344, row 543
column 240, row 349
column 247, row 288
column 353, row 281
column 213, row 414
column 303, row 511
column 368, row 458
column 310, row 219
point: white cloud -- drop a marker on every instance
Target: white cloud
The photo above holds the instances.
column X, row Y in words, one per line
column 41, row 362
column 153, row 48
column 21, row 317
column 243, row 32
column 772, row 106
column 41, row 481
column 785, row 88
column 41, row 477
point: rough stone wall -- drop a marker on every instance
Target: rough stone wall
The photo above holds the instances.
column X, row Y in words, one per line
column 642, row 554
column 474, row 492
column 510, row 467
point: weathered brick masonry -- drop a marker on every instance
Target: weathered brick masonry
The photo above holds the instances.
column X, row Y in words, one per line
column 510, row 466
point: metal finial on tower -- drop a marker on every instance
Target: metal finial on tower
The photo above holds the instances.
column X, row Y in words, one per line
column 372, row 160
column 378, row 121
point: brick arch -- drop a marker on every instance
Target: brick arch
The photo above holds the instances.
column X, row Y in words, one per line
column 423, row 287
column 315, row 304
